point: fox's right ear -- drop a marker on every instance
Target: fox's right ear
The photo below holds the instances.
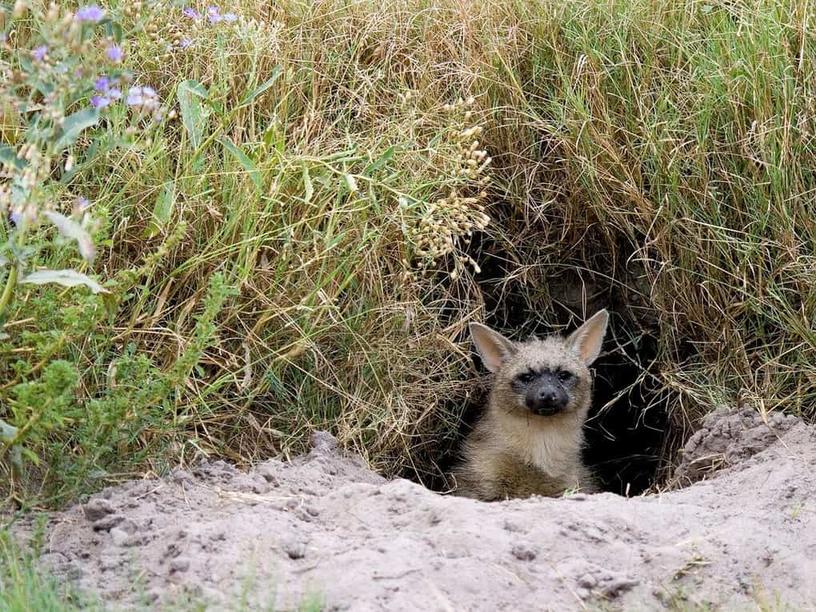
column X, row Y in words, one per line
column 493, row 347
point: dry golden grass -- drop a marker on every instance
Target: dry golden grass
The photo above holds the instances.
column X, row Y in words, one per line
column 651, row 156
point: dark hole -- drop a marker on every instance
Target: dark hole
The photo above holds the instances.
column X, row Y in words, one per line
column 626, row 431
column 628, row 422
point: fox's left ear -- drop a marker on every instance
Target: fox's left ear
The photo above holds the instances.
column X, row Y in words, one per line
column 587, row 339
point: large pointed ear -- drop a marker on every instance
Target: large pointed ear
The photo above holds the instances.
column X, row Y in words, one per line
column 587, row 339
column 493, row 347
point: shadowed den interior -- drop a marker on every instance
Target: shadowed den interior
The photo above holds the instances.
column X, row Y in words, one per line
column 628, row 429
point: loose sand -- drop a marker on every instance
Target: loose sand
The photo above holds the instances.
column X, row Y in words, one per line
column 324, row 528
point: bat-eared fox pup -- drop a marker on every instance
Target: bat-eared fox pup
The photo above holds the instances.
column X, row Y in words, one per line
column 529, row 440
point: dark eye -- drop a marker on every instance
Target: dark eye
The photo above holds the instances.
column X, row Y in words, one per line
column 526, row 377
column 565, row 376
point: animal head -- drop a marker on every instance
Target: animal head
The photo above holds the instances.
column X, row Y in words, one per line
column 542, row 377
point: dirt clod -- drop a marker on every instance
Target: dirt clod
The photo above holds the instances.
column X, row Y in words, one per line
column 727, row 438
column 326, row 526
column 523, row 553
column 180, row 564
column 119, row 536
column 294, row 549
column 108, row 522
column 97, row 509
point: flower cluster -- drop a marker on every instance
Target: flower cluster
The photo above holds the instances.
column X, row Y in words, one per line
column 452, row 219
column 213, row 15
column 92, row 14
column 144, row 99
column 106, row 91
column 196, row 26
column 54, row 91
column 114, row 53
column 40, row 53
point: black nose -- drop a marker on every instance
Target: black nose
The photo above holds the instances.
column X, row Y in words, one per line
column 547, row 401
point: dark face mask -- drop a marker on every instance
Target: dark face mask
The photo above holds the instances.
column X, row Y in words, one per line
column 546, row 393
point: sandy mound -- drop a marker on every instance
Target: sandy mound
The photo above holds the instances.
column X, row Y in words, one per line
column 325, row 526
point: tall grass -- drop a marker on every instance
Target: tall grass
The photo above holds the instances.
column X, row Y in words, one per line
column 649, row 155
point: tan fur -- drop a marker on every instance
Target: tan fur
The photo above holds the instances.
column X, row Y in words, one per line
column 514, row 453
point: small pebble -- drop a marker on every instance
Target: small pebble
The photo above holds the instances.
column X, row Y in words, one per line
column 295, row 549
column 523, row 553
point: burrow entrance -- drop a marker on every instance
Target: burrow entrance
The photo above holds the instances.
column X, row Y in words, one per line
column 629, row 431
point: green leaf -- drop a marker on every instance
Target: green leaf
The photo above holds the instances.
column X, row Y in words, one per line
column 74, row 231
column 114, row 30
column 162, row 209
column 29, row 455
column 249, row 97
column 349, row 155
column 243, row 159
column 8, row 156
column 8, row 434
column 66, row 278
column 274, row 138
column 380, row 161
column 74, row 124
column 308, row 188
column 191, row 95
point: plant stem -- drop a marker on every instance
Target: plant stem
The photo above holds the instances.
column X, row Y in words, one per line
column 8, row 291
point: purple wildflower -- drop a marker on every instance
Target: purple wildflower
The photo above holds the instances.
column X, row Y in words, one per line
column 22, row 216
column 100, row 102
column 230, row 17
column 191, row 13
column 106, row 86
column 114, row 53
column 91, row 13
column 185, row 42
column 81, row 204
column 143, row 98
column 135, row 96
column 39, row 53
column 214, row 14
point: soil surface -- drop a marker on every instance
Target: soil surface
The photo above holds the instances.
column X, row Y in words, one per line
column 324, row 528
